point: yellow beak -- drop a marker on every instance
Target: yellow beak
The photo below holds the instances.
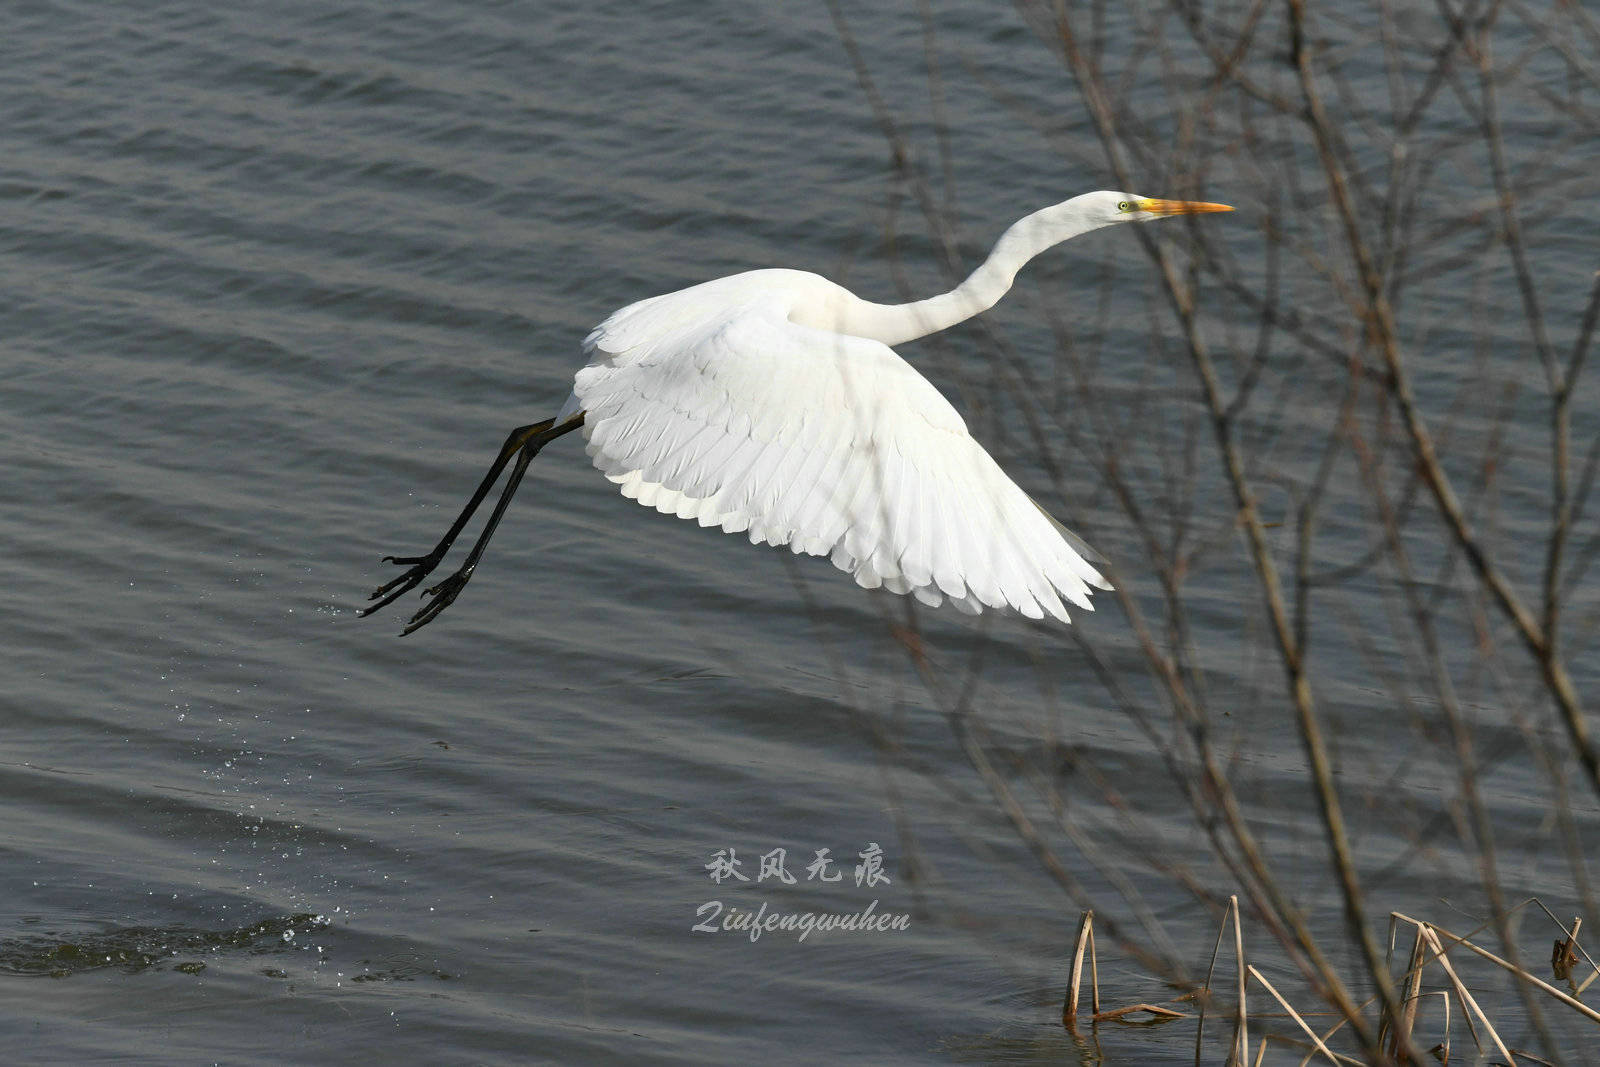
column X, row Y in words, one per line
column 1178, row 207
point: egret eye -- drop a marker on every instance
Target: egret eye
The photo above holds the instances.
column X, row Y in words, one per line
column 1124, row 206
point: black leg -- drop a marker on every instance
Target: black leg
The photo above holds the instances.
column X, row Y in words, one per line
column 524, row 443
column 445, row 593
column 422, row 566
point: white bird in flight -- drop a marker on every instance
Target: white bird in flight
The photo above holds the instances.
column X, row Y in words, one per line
column 772, row 403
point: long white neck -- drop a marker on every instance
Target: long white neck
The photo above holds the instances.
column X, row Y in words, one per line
column 894, row 323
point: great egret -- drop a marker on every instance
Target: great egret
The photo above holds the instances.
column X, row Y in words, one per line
column 771, row 402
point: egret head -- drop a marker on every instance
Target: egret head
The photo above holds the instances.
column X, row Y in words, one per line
column 1091, row 211
column 1105, row 208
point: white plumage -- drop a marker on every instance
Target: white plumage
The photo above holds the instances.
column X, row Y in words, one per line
column 771, row 403
column 828, row 443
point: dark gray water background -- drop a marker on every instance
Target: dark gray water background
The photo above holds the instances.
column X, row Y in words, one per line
column 274, row 282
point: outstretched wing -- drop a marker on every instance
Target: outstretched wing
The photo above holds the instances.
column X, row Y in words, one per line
column 834, row 445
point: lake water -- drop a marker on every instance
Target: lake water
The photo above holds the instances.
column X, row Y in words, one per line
column 277, row 281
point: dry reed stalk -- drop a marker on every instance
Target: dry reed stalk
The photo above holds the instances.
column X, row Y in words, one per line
column 1531, row 1058
column 1444, row 998
column 1312, row 1034
column 1334, row 1030
column 1205, row 991
column 1094, row 970
column 1338, row 1057
column 1408, row 1000
column 1241, row 1040
column 1571, row 1002
column 1469, row 1005
column 1084, row 945
column 1441, row 1050
column 1154, row 1009
column 1069, row 1009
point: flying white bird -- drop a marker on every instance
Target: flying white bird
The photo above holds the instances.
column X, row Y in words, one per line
column 771, row 403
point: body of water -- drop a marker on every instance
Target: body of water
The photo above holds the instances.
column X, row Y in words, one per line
column 277, row 279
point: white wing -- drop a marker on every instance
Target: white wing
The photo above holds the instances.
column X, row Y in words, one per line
column 730, row 414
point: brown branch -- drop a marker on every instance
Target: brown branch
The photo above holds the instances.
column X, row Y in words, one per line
column 1381, row 326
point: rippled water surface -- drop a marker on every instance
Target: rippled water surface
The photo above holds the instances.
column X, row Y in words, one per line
column 277, row 279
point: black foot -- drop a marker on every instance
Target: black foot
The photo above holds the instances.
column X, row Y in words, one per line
column 421, row 567
column 443, row 595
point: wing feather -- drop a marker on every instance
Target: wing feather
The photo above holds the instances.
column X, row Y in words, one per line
column 711, row 405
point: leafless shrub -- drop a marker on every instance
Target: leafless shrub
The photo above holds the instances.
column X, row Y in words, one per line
column 1355, row 443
